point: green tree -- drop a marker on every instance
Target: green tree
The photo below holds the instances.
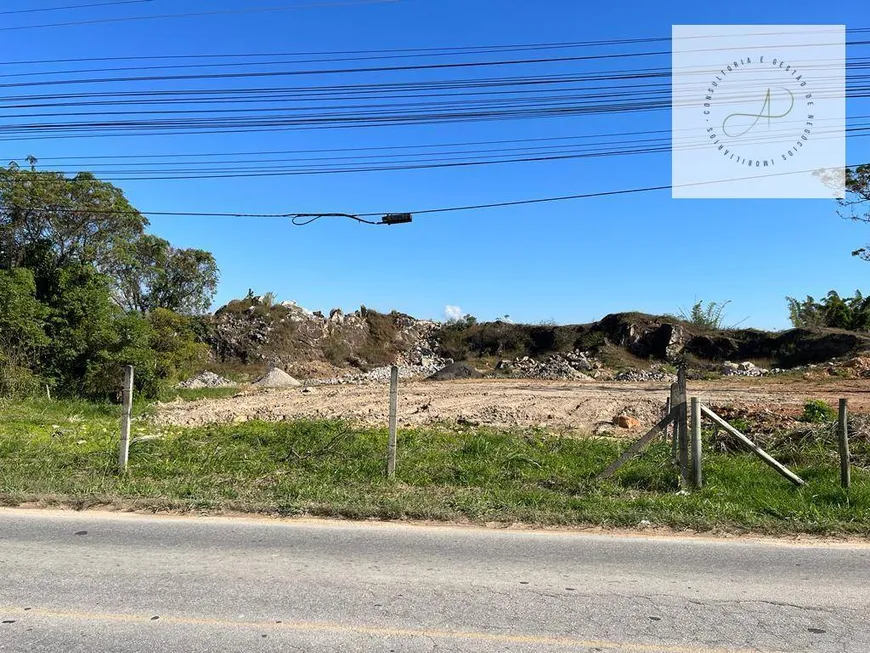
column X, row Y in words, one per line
column 81, row 323
column 856, row 204
column 834, row 311
column 127, row 342
column 70, row 219
column 21, row 331
column 84, row 291
column 174, row 341
column 149, row 273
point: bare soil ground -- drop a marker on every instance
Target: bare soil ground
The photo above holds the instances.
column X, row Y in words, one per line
column 564, row 406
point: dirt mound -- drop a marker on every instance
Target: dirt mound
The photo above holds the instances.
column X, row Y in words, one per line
column 276, row 378
column 456, row 371
column 205, row 380
column 256, row 331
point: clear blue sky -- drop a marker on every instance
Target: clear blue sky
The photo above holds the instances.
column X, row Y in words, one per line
column 568, row 262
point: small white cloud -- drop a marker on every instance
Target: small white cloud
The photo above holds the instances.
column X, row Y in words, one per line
column 452, row 313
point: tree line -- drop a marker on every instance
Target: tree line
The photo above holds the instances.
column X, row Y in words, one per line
column 84, row 290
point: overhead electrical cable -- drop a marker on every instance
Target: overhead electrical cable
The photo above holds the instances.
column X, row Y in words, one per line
column 222, row 12
column 360, row 217
column 70, row 7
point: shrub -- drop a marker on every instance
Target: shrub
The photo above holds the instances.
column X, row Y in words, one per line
column 851, row 313
column 817, row 411
column 21, row 332
column 709, row 316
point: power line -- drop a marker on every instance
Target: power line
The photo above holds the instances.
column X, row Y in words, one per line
column 337, row 3
column 360, row 217
column 355, row 216
column 458, row 101
column 69, row 7
column 545, row 200
column 410, row 157
column 357, row 70
column 415, row 51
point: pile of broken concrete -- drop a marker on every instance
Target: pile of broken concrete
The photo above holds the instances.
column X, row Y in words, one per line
column 574, row 365
column 743, row 369
column 655, row 373
column 205, row 380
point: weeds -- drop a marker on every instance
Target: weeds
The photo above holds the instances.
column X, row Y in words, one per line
column 64, row 452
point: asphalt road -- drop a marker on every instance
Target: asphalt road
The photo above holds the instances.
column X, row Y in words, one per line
column 105, row 582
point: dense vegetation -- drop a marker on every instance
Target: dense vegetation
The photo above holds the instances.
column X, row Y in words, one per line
column 852, row 313
column 84, row 290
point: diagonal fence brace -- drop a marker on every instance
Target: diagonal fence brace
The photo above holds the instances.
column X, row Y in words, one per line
column 758, row 451
column 640, row 444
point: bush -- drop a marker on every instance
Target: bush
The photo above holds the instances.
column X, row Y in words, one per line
column 21, row 332
column 161, row 346
column 17, row 381
column 852, row 313
column 174, row 339
column 817, row 411
column 82, row 327
column 707, row 316
column 64, row 323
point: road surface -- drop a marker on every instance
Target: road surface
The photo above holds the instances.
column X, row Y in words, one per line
column 107, row 582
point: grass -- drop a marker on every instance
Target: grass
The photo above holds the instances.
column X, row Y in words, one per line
column 64, row 453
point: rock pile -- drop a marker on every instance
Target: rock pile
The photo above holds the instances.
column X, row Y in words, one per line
column 556, row 367
column 653, row 374
column 205, row 380
column 743, row 369
column 382, row 374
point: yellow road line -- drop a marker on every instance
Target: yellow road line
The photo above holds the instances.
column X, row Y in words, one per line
column 376, row 631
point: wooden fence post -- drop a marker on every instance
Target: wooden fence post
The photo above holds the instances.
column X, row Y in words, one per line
column 394, row 400
column 697, row 474
column 843, row 437
column 672, row 403
column 682, row 426
column 126, row 414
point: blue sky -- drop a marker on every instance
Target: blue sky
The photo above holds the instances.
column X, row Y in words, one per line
column 568, row 262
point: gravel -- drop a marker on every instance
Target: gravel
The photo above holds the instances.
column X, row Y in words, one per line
column 276, row 378
column 455, row 371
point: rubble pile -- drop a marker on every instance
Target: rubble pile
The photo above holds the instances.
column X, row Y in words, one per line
column 205, row 380
column 652, row 374
column 575, row 365
column 743, row 369
column 255, row 330
column 382, row 374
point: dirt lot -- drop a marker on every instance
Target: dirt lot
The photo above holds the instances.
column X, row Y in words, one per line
column 574, row 406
